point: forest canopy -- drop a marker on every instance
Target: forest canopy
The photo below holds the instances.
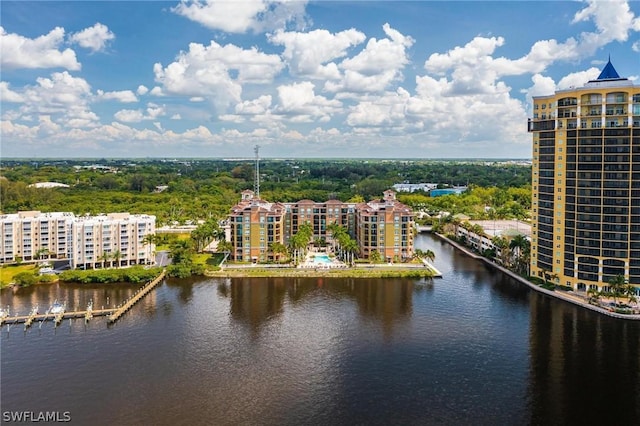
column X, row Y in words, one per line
column 183, row 190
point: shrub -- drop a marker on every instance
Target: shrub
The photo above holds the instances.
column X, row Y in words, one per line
column 47, row 278
column 179, row 270
column 135, row 274
column 25, row 278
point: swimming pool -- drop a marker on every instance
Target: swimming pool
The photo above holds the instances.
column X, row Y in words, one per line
column 321, row 259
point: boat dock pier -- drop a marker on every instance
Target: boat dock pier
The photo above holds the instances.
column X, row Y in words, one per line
column 31, row 318
column 63, row 315
column 135, row 298
column 112, row 314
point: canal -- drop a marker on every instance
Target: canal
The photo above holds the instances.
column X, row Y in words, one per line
column 474, row 347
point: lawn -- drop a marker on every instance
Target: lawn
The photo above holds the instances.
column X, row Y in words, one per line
column 8, row 272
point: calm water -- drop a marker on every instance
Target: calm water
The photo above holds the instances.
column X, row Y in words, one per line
column 471, row 348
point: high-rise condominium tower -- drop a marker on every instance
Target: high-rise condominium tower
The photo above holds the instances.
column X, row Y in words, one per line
column 586, row 183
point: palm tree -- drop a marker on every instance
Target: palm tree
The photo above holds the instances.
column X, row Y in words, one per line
column 224, row 246
column 631, row 292
column 116, row 256
column 424, row 254
column 617, row 284
column 429, row 255
column 296, row 244
column 277, row 249
column 42, row 253
column 456, row 223
column 104, row 258
column 594, row 296
column 148, row 241
column 351, row 248
column 521, row 252
column 503, row 245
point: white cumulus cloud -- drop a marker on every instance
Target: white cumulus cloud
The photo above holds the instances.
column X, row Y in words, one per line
column 40, row 52
column 152, row 112
column 311, row 54
column 93, row 38
column 243, row 16
column 124, row 96
column 8, row 95
column 378, row 65
column 301, row 104
column 63, row 98
column 217, row 71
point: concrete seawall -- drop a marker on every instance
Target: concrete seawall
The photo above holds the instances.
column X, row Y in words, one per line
column 557, row 294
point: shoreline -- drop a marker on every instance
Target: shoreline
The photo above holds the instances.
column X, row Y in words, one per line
column 558, row 294
column 369, row 271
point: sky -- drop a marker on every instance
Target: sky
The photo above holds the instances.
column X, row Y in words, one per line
column 300, row 79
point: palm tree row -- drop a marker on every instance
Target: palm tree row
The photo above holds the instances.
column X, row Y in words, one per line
column 619, row 287
column 110, row 256
column 300, row 240
column 424, row 254
column 345, row 246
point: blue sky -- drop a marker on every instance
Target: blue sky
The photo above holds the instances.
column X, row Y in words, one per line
column 384, row 79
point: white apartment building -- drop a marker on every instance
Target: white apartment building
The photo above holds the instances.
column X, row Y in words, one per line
column 32, row 235
column 115, row 239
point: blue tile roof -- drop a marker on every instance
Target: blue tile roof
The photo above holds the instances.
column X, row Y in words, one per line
column 608, row 72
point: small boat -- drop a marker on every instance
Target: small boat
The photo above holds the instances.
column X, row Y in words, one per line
column 57, row 308
column 4, row 314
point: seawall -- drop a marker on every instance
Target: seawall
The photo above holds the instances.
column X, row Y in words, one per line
column 557, row 294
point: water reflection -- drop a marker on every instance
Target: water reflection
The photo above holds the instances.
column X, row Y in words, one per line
column 474, row 347
column 255, row 301
column 76, row 296
column 585, row 367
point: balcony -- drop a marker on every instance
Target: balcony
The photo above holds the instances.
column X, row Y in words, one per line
column 567, row 102
column 536, row 126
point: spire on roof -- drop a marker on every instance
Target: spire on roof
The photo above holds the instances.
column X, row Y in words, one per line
column 608, row 72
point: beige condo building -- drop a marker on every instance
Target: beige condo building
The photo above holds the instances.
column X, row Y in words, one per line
column 115, row 239
column 384, row 225
column 586, row 183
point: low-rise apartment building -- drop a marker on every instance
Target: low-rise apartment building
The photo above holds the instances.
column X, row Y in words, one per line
column 115, row 239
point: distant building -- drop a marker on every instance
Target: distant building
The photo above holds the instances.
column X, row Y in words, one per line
column 586, row 183
column 413, row 187
column 255, row 224
column 48, row 185
column 448, row 191
column 86, row 241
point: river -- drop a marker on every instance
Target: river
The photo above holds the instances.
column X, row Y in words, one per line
column 474, row 347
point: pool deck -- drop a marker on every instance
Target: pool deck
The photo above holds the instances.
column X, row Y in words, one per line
column 309, row 262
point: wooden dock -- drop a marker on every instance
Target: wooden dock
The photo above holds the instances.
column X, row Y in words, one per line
column 135, row 298
column 113, row 314
column 50, row 317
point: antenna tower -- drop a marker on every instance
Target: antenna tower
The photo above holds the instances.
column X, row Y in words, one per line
column 256, row 184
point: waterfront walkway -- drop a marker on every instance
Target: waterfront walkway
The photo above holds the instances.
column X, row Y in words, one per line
column 558, row 294
column 117, row 313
